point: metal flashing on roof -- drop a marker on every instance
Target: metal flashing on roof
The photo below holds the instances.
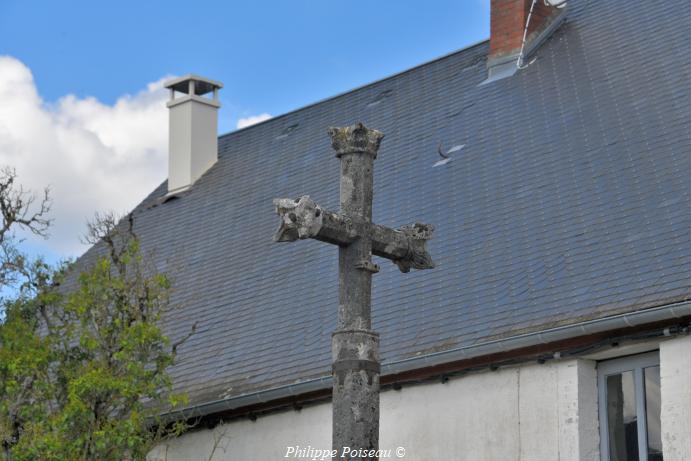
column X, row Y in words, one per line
column 501, row 71
column 506, row 66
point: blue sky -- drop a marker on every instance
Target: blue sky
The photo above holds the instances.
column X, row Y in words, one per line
column 93, row 67
column 272, row 56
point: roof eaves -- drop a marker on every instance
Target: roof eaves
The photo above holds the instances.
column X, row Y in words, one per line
column 653, row 315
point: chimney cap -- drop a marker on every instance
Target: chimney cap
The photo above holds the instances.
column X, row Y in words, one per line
column 201, row 85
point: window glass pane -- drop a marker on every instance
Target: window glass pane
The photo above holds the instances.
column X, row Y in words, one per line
column 621, row 415
column 652, row 412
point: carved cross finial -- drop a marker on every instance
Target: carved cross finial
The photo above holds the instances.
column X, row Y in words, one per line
column 300, row 219
column 355, row 139
column 417, row 257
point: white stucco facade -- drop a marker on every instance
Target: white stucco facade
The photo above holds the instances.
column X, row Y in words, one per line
column 675, row 389
column 532, row 412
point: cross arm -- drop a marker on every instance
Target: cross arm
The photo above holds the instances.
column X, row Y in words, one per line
column 302, row 218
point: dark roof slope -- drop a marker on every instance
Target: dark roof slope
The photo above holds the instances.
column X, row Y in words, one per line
column 569, row 201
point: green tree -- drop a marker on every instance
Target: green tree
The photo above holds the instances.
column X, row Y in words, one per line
column 82, row 357
column 23, row 356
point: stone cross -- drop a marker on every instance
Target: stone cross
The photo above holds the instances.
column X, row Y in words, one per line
column 355, row 346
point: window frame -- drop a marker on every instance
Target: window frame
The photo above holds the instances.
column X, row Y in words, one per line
column 637, row 364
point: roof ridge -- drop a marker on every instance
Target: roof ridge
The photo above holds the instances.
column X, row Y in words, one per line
column 358, row 88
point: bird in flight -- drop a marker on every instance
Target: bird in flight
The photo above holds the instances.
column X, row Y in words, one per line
column 445, row 157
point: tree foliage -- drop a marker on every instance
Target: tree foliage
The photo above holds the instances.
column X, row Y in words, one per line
column 82, row 358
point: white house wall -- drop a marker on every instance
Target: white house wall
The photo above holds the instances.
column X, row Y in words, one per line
column 533, row 412
column 675, row 389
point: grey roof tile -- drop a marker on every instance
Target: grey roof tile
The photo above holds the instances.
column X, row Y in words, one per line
column 569, row 201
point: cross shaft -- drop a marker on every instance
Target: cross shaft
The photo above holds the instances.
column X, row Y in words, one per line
column 355, row 346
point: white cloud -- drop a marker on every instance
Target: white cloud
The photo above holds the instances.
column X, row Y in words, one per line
column 254, row 119
column 94, row 156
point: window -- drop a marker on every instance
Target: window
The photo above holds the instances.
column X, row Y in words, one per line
column 629, row 403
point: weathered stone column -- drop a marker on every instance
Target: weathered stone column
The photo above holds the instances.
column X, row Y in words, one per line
column 355, row 346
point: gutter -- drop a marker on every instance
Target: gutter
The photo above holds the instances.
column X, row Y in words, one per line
column 551, row 335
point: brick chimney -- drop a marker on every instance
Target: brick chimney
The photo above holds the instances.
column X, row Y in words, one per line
column 508, row 19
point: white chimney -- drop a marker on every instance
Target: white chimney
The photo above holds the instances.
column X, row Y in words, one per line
column 193, row 126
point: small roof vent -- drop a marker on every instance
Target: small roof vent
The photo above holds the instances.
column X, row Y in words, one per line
column 381, row 97
column 288, row 130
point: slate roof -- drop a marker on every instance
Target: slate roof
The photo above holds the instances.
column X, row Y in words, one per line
column 569, row 201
